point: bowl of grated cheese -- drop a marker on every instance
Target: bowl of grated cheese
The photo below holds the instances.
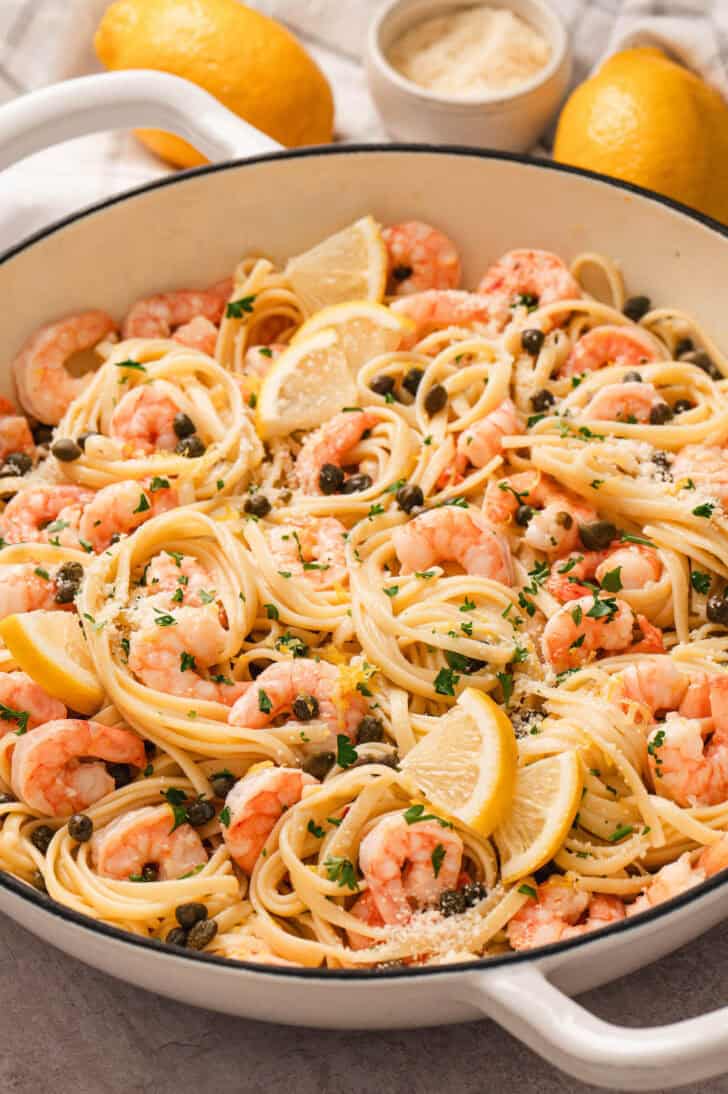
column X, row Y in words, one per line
column 485, row 75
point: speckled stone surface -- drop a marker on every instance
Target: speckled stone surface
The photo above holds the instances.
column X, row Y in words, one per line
column 69, row 1030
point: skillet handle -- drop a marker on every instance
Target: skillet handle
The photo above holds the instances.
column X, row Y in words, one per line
column 125, row 100
column 617, row 1057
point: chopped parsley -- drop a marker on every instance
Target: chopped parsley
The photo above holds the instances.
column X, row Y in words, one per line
column 699, row 581
column 417, row 813
column 176, row 799
column 187, row 661
column 375, row 510
column 467, row 605
column 158, row 483
column 528, row 890
column 130, row 364
column 20, row 717
column 505, row 679
column 265, row 706
column 704, row 510
column 628, row 537
column 621, row 832
column 315, row 829
column 346, row 754
column 612, row 581
column 437, row 858
column 225, row 816
column 341, row 870
column 295, row 646
column 143, row 505
column 391, row 591
column 42, row 573
column 271, row 611
column 238, row 309
column 445, row 682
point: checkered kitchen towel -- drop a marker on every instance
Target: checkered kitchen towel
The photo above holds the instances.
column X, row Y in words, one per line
column 43, row 41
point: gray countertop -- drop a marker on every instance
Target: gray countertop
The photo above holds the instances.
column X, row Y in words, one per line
column 67, row 1029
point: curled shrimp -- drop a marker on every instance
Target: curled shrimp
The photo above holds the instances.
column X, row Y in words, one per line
column 539, row 276
column 158, row 316
column 638, row 566
column 276, row 689
column 24, row 704
column 27, row 587
column 707, row 466
column 684, row 767
column 554, row 527
column 45, row 513
column 122, row 848
column 48, row 775
column 633, row 401
column 409, row 865
column 330, row 444
column 609, row 345
column 180, row 575
column 559, row 912
column 452, row 534
column 144, row 418
column 658, row 685
column 255, row 804
column 682, row 874
column 582, row 628
column 200, row 334
column 437, row 308
column 45, row 386
column 15, row 435
column 479, row 443
column 420, row 257
column 314, row 548
column 171, row 655
column 121, row 507
column 365, row 909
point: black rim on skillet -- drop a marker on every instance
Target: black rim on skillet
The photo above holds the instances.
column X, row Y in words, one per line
column 26, row 892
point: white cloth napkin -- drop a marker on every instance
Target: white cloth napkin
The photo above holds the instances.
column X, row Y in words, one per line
column 43, row 41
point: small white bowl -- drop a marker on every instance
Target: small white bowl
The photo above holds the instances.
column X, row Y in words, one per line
column 510, row 120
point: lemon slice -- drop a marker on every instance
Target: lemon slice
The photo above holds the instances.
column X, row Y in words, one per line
column 50, row 647
column 545, row 802
column 351, row 265
column 306, row 385
column 466, row 767
column 365, row 329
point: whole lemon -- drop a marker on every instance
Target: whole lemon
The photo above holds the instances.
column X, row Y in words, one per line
column 648, row 120
column 247, row 61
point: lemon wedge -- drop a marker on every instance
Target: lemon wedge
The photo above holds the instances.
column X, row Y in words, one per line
column 365, row 329
column 50, row 647
column 544, row 805
column 350, row 265
column 466, row 766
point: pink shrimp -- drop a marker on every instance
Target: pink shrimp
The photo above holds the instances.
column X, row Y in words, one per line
column 144, row 418
column 255, row 805
column 121, row 507
column 180, row 575
column 420, row 257
column 314, row 548
column 171, row 657
column 637, row 565
column 45, row 386
column 15, row 435
column 199, row 333
column 658, row 685
column 45, row 513
column 48, row 775
column 554, row 527
column 133, row 840
column 684, row 767
column 452, row 534
column 435, row 309
column 28, row 587
column 365, row 909
column 331, row 443
column 574, row 634
column 479, row 443
column 526, row 273
column 684, row 873
column 559, row 912
column 158, row 316
column 276, row 689
column 409, row 865
column 707, row 466
column 633, row 401
column 25, row 705
column 609, row 345
column 258, row 359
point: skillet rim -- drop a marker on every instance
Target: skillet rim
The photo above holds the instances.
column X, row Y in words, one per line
column 53, row 908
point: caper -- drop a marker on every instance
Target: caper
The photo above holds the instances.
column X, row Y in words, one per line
column 201, row 934
column 632, row 377
column 150, row 749
column 191, row 446
column 81, row 441
column 38, row 882
column 183, row 425
column 661, row 413
column 331, row 478
column 532, row 340
column 452, row 902
column 222, row 784
column 257, row 505
column 65, row 592
column 17, row 463
column 717, row 608
column 597, row 535
column 474, row 892
column 401, row 273
column 150, row 871
column 200, row 812
column 435, row 399
column 356, row 483
column 176, row 937
column 701, row 360
column 524, row 515
column 564, row 519
column 369, row 729
column 382, row 385
column 80, row 827
column 6, row 799
column 66, row 450
column 305, row 707
column 42, row 434
column 121, row 774
column 637, row 307
column 409, row 497
column 661, row 459
column 70, row 573
column 682, row 346
column 411, row 381
column 189, row 914
column 681, row 405
column 542, row 400
column 319, row 765
column 41, row 837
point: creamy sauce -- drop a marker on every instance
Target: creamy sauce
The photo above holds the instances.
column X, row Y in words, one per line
column 470, row 52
